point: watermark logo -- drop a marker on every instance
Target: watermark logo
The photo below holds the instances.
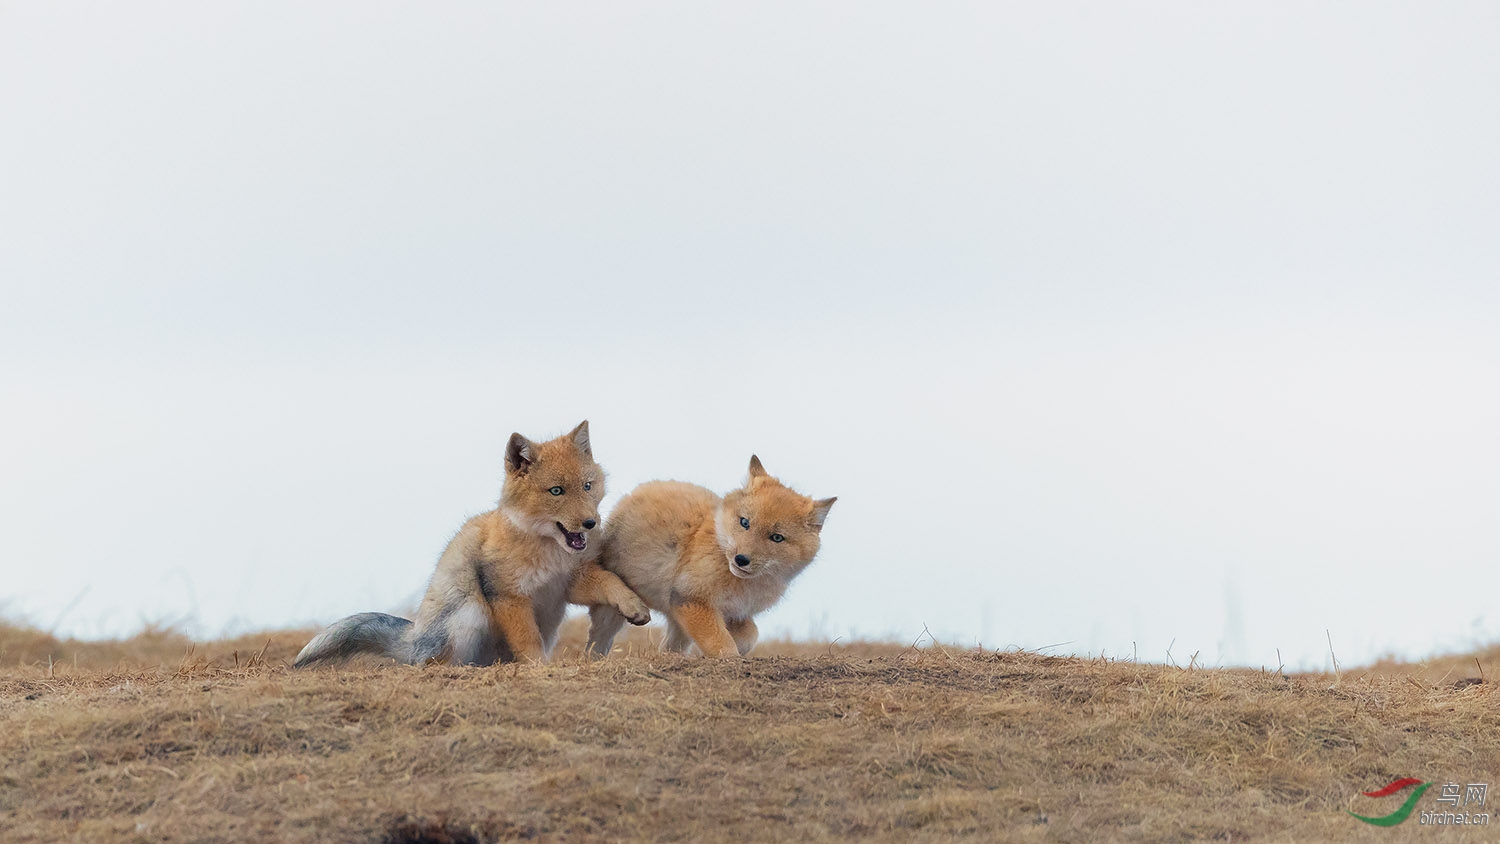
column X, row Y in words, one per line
column 1450, row 794
column 1402, row 813
column 1473, row 795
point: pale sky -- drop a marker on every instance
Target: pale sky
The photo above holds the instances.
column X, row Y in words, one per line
column 1114, row 327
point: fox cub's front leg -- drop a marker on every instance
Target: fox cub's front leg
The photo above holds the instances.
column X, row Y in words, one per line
column 706, row 627
column 604, row 624
column 516, row 619
column 745, row 634
column 594, row 586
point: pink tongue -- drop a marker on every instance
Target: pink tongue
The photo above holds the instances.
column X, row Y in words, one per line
column 575, row 540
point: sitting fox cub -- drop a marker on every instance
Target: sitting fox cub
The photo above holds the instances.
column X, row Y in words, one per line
column 503, row 582
column 709, row 564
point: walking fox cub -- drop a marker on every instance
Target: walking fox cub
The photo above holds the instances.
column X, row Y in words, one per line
column 503, row 583
column 708, row 563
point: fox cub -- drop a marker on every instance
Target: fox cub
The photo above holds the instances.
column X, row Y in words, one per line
column 503, row 583
column 708, row 563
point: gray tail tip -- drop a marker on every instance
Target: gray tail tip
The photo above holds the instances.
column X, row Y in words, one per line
column 362, row 633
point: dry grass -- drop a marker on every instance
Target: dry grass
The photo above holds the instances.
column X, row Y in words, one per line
column 153, row 739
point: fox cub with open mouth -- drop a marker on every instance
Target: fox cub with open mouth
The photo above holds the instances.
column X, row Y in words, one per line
column 503, row 583
column 709, row 564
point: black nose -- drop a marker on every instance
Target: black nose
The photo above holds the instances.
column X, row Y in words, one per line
column 588, row 524
column 741, row 560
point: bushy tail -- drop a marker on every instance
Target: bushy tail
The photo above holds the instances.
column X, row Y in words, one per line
column 364, row 633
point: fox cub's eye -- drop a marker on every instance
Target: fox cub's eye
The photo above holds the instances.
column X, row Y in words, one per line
column 776, row 537
column 744, row 523
column 588, row 485
column 557, row 490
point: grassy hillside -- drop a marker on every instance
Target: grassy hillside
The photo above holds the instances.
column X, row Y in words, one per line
column 154, row 739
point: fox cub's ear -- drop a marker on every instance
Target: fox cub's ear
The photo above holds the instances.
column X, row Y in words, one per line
column 757, row 470
column 519, row 454
column 580, row 437
column 820, row 513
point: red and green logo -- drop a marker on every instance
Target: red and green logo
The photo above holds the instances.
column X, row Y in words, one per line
column 1402, row 813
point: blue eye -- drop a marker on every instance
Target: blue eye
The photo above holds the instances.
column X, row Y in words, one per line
column 776, row 537
column 557, row 490
column 588, row 485
column 744, row 523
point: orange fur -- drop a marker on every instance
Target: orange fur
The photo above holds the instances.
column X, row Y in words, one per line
column 501, row 586
column 705, row 626
column 689, row 554
column 515, row 620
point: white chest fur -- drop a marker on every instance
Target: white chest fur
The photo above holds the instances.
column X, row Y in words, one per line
column 753, row 596
column 551, row 565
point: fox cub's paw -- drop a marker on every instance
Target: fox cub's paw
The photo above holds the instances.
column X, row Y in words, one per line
column 635, row 611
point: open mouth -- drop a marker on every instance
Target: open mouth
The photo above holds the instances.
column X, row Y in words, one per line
column 576, row 541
